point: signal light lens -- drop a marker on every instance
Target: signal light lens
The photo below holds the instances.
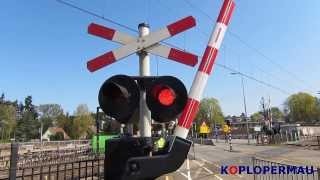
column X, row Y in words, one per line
column 166, row 96
column 118, row 97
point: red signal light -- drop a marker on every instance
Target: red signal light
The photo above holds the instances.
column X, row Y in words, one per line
column 166, row 96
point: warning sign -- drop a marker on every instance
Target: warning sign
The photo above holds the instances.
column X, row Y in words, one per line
column 204, row 129
column 226, row 129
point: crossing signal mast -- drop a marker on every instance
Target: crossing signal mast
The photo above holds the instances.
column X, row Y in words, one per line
column 161, row 98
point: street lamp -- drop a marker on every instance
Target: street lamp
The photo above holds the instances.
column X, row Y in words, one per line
column 244, row 102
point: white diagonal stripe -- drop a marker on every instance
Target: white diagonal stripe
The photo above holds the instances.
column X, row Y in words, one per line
column 198, row 85
column 181, row 131
column 217, row 35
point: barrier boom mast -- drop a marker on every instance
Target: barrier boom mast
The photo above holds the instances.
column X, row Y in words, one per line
column 205, row 68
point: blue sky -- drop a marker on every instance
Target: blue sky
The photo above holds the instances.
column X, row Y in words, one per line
column 45, row 46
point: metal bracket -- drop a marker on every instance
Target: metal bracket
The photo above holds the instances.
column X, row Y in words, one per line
column 128, row 158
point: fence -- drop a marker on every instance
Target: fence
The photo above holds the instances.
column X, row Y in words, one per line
column 284, row 176
column 310, row 140
column 68, row 162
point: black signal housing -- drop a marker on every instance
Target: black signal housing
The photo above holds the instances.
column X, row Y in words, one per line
column 119, row 97
column 166, row 96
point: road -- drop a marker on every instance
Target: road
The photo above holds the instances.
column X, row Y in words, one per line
column 208, row 159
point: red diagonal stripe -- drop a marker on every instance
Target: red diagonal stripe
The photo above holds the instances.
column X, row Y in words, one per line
column 208, row 59
column 226, row 12
column 101, row 31
column 183, row 57
column 189, row 113
column 101, row 61
column 181, row 25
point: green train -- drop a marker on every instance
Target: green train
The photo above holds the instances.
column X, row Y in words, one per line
column 102, row 140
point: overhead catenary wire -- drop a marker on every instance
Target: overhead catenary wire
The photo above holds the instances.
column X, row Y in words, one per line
column 259, row 68
column 206, row 35
column 253, row 78
column 259, row 52
column 294, row 76
column 96, row 15
column 133, row 30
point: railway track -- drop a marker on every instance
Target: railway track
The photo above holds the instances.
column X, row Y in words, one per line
column 52, row 163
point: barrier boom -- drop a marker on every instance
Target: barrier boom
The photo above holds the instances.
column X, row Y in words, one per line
column 205, row 68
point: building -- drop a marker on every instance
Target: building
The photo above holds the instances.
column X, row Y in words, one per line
column 51, row 131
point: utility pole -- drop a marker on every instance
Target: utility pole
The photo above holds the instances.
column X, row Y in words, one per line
column 244, row 104
column 270, row 114
column 211, row 108
column 98, row 130
column 192, row 131
column 144, row 62
column 209, row 114
column 195, row 128
column 41, row 131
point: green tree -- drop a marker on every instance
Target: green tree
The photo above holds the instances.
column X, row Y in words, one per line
column 48, row 114
column 82, row 122
column 28, row 125
column 62, row 121
column 7, row 121
column 50, row 110
column 256, row 117
column 2, row 98
column 82, row 109
column 302, row 107
column 29, row 107
column 318, row 109
column 277, row 114
column 204, row 111
column 59, row 136
column 66, row 123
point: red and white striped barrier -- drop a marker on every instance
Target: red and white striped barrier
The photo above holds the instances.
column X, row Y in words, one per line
column 205, row 68
column 148, row 43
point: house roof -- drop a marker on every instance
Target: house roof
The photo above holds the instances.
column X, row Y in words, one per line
column 55, row 130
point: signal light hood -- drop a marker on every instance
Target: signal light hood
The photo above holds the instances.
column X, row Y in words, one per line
column 118, row 97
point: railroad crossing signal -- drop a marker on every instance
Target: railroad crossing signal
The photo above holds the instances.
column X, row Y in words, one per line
column 129, row 157
column 149, row 43
column 166, row 96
